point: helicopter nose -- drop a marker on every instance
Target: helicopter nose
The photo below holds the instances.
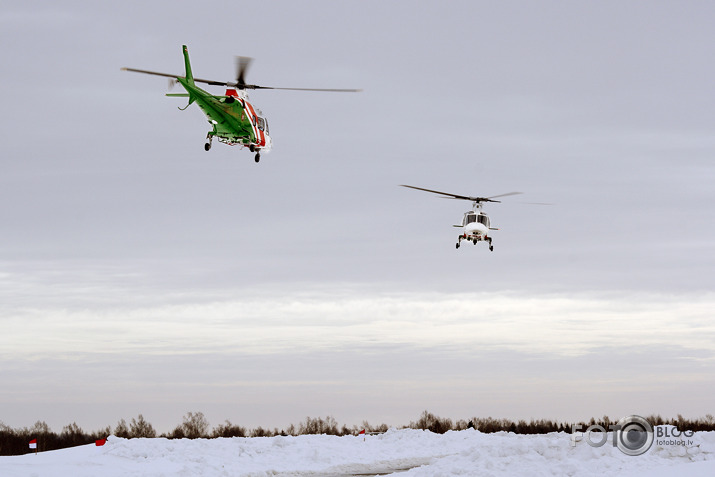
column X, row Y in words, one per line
column 476, row 228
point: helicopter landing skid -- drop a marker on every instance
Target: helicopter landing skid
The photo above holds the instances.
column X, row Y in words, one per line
column 474, row 241
column 233, row 142
column 209, row 138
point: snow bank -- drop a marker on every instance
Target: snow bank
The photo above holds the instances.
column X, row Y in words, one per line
column 408, row 452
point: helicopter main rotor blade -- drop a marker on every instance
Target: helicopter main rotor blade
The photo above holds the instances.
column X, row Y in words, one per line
column 453, row 196
column 238, row 83
column 331, row 90
column 167, row 75
column 147, row 72
column 463, row 197
column 504, row 195
column 255, row 86
column 242, row 64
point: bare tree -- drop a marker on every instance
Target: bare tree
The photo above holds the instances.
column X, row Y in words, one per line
column 40, row 427
column 73, row 435
column 432, row 423
column 195, row 425
column 319, row 426
column 141, row 428
column 122, row 430
column 228, row 430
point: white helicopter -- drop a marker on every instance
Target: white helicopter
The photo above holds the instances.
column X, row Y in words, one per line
column 475, row 223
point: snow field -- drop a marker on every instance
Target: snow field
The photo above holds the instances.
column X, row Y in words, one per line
column 404, row 452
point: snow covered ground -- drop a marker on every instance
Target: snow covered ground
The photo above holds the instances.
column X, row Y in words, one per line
column 404, row 452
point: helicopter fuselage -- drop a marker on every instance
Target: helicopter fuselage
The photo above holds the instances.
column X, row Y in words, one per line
column 475, row 227
column 475, row 231
column 234, row 120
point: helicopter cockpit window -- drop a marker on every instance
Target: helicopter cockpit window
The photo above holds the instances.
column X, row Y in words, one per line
column 261, row 123
column 483, row 219
column 469, row 218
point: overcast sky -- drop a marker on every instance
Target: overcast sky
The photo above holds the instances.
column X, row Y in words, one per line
column 141, row 274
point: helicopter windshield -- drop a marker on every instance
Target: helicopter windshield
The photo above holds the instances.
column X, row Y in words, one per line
column 261, row 123
column 481, row 218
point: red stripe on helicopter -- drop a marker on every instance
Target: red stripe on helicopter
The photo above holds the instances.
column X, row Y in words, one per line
column 260, row 137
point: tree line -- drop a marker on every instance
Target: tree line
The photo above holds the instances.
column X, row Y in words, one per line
column 194, row 425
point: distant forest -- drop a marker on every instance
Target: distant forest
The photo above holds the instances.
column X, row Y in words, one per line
column 195, row 425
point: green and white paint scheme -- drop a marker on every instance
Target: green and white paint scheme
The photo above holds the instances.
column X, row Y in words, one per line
column 234, row 121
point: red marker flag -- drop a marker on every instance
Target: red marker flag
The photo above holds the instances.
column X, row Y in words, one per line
column 100, row 442
column 362, row 433
column 33, row 444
